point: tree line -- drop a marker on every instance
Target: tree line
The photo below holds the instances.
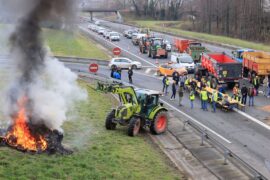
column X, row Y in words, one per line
column 244, row 19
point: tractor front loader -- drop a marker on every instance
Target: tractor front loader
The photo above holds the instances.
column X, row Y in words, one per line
column 140, row 108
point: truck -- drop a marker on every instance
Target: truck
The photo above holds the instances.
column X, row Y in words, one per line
column 157, row 48
column 256, row 64
column 238, row 54
column 182, row 45
column 195, row 50
column 220, row 68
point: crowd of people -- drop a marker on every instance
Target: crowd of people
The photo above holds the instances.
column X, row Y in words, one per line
column 244, row 95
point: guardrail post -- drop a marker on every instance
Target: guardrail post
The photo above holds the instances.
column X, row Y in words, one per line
column 203, row 136
column 185, row 123
column 226, row 154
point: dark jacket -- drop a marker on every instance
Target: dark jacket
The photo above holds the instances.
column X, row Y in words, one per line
column 164, row 80
column 173, row 87
column 244, row 91
column 130, row 72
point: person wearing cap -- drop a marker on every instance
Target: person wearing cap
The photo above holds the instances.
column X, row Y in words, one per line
column 214, row 100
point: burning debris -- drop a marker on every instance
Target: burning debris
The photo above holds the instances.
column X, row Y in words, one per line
column 43, row 89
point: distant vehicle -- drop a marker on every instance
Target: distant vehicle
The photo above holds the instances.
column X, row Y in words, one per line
column 124, row 63
column 184, row 60
column 128, row 33
column 97, row 23
column 114, row 36
column 136, row 38
column 107, row 34
column 99, row 30
column 182, row 44
column 168, row 45
column 169, row 69
column 157, row 48
column 195, row 50
column 238, row 54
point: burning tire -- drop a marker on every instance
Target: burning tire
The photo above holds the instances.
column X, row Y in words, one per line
column 134, row 126
column 109, row 124
column 160, row 123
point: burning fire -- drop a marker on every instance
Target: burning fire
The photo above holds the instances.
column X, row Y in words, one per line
column 20, row 135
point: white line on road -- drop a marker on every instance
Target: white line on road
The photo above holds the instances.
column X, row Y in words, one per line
column 197, row 122
column 252, row 118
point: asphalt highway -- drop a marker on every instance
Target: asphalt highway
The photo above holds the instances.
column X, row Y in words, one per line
column 245, row 133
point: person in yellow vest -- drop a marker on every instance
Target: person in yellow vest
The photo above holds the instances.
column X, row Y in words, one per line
column 214, row 100
column 235, row 92
column 204, row 99
column 208, row 83
column 191, row 98
column 187, row 83
column 167, row 84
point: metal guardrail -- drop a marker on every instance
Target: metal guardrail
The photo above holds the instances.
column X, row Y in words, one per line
column 227, row 153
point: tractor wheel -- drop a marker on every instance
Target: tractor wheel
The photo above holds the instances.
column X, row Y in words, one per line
column 134, row 126
column 160, row 123
column 109, row 124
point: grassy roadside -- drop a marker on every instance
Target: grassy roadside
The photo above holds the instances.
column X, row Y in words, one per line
column 100, row 154
column 74, row 45
column 174, row 28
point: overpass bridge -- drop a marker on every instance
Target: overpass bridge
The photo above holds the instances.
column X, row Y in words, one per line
column 98, row 10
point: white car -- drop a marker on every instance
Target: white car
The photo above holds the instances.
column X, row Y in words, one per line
column 124, row 63
column 114, row 36
column 168, row 45
column 184, row 60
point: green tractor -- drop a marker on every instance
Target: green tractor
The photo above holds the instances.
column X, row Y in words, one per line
column 157, row 48
column 140, row 108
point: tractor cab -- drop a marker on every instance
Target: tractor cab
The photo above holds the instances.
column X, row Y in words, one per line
column 148, row 99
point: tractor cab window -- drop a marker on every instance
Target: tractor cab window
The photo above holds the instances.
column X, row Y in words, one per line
column 129, row 98
column 157, row 43
column 151, row 100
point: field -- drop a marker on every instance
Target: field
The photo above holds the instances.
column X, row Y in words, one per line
column 99, row 154
column 174, row 27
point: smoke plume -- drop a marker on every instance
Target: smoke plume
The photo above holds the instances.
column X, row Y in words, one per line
column 49, row 87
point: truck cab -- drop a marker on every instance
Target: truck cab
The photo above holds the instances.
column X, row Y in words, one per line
column 238, row 54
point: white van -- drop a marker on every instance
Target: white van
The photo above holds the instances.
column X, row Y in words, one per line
column 185, row 60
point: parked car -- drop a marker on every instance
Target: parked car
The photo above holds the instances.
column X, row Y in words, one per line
column 184, row 60
column 124, row 63
column 114, row 36
column 169, row 69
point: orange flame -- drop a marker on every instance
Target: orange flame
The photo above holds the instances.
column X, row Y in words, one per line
column 20, row 136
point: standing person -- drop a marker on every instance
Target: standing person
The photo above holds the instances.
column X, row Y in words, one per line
column 173, row 90
column 164, row 83
column 181, row 94
column 182, row 80
column 112, row 71
column 251, row 95
column 244, row 92
column 204, row 99
column 167, row 84
column 214, row 100
column 176, row 77
column 265, row 85
column 256, row 83
column 191, row 98
column 130, row 74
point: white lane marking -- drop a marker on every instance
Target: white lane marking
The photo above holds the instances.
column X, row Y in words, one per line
column 88, row 31
column 252, row 118
column 197, row 122
column 148, row 70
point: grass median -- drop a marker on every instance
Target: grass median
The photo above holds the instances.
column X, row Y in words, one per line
column 99, row 154
column 174, row 27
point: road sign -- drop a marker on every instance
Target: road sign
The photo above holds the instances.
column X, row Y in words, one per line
column 93, row 68
column 117, row 51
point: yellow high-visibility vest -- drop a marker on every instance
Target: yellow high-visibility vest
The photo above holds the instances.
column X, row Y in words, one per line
column 204, row 95
column 215, row 97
